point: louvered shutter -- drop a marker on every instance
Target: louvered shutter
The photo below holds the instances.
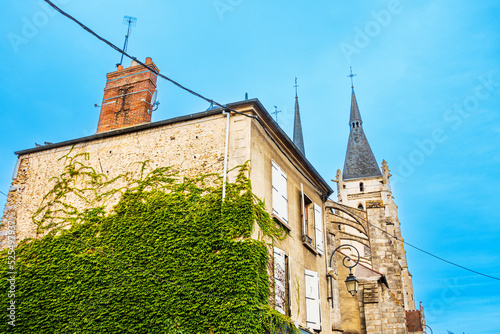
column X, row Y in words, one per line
column 280, row 200
column 284, row 196
column 313, row 313
column 276, row 194
column 318, row 225
column 279, row 280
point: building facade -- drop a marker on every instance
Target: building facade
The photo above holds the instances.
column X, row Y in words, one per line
column 304, row 286
column 365, row 217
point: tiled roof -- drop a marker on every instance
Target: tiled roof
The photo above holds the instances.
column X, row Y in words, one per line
column 359, row 159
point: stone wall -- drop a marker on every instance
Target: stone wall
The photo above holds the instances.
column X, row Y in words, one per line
column 191, row 148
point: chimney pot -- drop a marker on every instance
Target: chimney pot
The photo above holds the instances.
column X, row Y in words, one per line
column 120, row 67
column 149, row 60
column 134, row 63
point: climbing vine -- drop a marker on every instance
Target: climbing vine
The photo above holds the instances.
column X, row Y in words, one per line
column 169, row 256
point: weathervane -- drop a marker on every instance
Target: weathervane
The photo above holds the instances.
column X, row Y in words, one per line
column 276, row 112
column 351, row 76
column 296, row 86
column 131, row 22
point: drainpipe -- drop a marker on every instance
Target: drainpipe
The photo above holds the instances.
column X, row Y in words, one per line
column 226, row 147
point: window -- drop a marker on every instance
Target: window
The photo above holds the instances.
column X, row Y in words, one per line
column 281, row 282
column 307, row 215
column 361, row 187
column 312, row 221
column 360, row 206
column 280, row 201
column 313, row 310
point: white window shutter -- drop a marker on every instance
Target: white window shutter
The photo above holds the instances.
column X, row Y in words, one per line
column 276, row 175
column 313, row 312
column 279, row 280
column 284, row 197
column 280, row 200
column 318, row 225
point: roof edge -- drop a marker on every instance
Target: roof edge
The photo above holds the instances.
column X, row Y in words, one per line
column 260, row 110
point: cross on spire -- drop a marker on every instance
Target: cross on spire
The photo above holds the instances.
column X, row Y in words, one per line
column 296, row 86
column 352, row 76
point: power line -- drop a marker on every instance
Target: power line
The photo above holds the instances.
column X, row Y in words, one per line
column 141, row 63
column 433, row 255
column 176, row 83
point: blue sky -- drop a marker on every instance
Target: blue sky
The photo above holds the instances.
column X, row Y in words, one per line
column 428, row 88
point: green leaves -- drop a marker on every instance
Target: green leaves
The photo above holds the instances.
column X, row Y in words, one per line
column 171, row 257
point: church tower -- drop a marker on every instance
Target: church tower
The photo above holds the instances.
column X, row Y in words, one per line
column 361, row 179
column 364, row 186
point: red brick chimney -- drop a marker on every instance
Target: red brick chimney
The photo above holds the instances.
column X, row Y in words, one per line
column 127, row 97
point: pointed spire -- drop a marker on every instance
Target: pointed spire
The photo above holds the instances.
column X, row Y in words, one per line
column 298, row 140
column 355, row 115
column 359, row 159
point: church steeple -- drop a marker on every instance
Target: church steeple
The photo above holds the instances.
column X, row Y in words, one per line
column 298, row 140
column 359, row 159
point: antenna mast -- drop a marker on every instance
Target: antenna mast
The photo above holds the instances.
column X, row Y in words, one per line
column 276, row 112
column 131, row 22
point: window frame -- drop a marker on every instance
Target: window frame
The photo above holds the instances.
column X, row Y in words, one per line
column 309, row 213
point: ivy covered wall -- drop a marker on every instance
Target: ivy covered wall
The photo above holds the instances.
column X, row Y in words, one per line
column 170, row 257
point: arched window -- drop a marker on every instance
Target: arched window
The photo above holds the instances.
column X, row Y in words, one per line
column 360, row 206
column 361, row 187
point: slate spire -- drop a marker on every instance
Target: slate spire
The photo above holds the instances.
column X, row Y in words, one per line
column 298, row 140
column 359, row 159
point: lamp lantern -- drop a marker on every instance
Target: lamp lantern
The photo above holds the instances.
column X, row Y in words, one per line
column 352, row 284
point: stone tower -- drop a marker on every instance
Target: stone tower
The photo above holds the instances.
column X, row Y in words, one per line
column 363, row 186
column 127, row 97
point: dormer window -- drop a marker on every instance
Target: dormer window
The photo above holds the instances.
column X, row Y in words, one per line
column 361, row 187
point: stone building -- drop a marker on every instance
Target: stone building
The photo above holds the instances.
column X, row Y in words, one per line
column 366, row 217
column 305, row 288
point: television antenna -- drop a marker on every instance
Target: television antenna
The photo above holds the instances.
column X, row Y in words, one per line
column 276, row 112
column 131, row 22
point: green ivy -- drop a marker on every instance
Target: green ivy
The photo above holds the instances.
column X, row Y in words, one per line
column 171, row 257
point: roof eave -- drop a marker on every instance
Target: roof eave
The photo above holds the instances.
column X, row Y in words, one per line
column 260, row 109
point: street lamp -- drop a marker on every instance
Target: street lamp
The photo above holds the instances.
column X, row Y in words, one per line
column 351, row 282
column 417, row 326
